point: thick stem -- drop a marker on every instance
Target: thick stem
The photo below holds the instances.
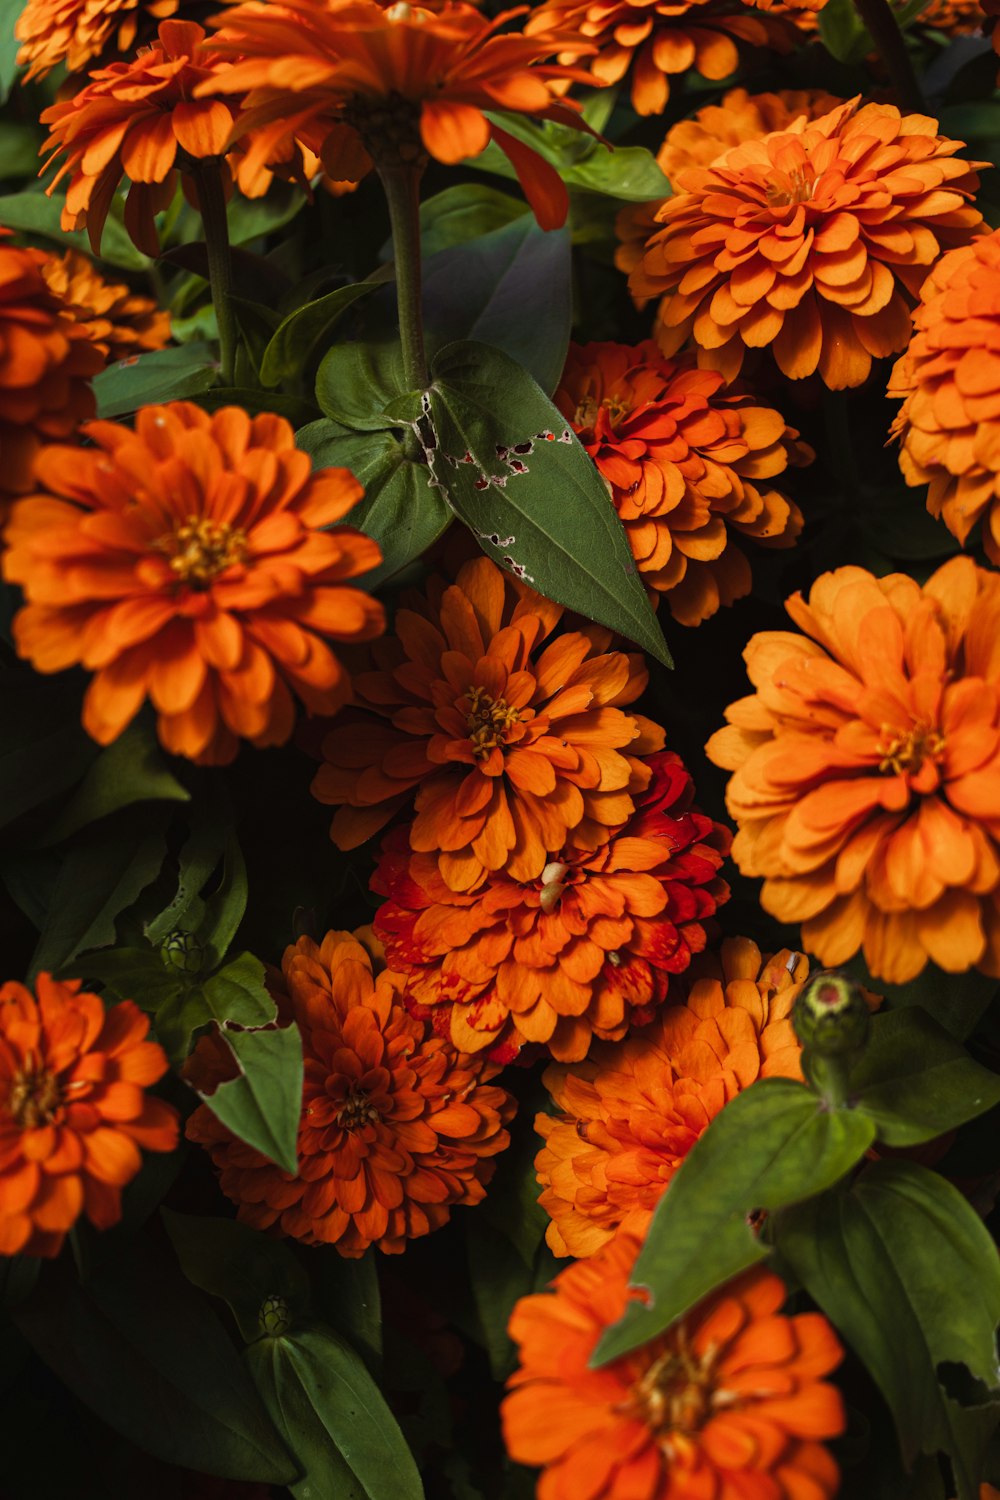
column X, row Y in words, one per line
column 402, row 190
column 212, row 202
column 891, row 47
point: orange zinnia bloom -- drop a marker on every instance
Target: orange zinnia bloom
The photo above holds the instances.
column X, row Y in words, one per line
column 630, row 1113
column 366, row 84
column 681, row 461
column 73, row 1111
column 867, row 785
column 119, row 321
column 187, row 562
column 659, row 39
column 728, row 1404
column 813, row 241
column 74, row 32
column 511, row 746
column 138, row 120
column 586, row 949
column 46, row 362
column 950, row 378
column 396, row 1126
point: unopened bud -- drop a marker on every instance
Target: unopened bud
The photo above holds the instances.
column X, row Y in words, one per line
column 831, row 1017
column 182, row 952
column 274, row 1317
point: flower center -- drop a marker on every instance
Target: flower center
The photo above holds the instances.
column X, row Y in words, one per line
column 908, row 751
column 356, row 1110
column 202, row 549
column 34, row 1097
column 790, row 187
column 678, row 1393
column 489, row 720
column 589, row 408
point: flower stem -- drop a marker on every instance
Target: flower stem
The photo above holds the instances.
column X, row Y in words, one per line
column 401, row 182
column 890, row 45
column 212, row 202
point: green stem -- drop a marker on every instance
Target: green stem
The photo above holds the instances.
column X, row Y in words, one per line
column 830, row 1077
column 212, row 202
column 890, row 44
column 402, row 190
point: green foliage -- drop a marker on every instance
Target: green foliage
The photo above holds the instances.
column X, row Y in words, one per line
column 130, row 770
column 244, row 1268
column 43, row 748
column 34, row 213
column 905, row 1242
column 300, row 334
column 147, row 379
column 465, row 212
column 262, row 1106
column 9, row 12
column 627, row 173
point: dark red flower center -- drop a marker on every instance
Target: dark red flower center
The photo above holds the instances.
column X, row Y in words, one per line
column 356, row 1110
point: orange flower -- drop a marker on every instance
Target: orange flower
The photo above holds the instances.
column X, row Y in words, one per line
column 396, row 1126
column 511, row 748
column 953, row 17
column 728, row 1403
column 46, row 362
column 187, row 562
column 630, row 1113
column 950, row 377
column 659, row 39
column 867, row 785
column 73, row 1112
column 76, row 31
column 366, row 84
column 120, row 322
column 131, row 120
column 586, row 949
column 813, row 241
column 680, row 461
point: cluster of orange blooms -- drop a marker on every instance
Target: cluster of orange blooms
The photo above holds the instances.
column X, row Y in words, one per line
column 548, row 883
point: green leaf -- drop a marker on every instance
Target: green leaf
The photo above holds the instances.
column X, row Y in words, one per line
column 257, row 324
column 236, row 995
column 842, row 32
column 9, row 48
column 130, row 770
column 137, row 974
column 499, row 1278
column 401, row 510
column 355, row 382
column 956, row 1001
column 915, row 1081
column 263, row 1105
column 19, row 149
column 251, row 218
column 145, row 1351
column 334, row 1418
column 294, row 409
column 298, row 336
column 519, row 479
column 628, row 173
column 350, row 1299
column 198, row 858
column 465, row 212
column 225, row 909
column 97, row 880
column 908, row 1273
column 512, row 1208
column 163, row 375
column 511, row 289
column 243, row 1267
column 43, row 747
column 33, row 212
column 772, row 1145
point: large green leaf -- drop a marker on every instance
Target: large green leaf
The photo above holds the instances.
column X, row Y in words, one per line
column 243, row 1267
column 916, row 1082
column 198, row 858
column 957, row 1001
column 401, row 510
column 905, row 1269
column 515, row 473
column 9, row 48
column 464, row 212
column 298, row 336
column 233, row 996
column 130, row 770
column 356, row 382
column 138, row 1345
column 772, row 1145
column 334, row 1418
column 225, row 907
column 510, row 288
column 163, row 375
column 137, row 974
column 350, row 1298
column 34, row 212
column 628, row 173
column 264, row 1104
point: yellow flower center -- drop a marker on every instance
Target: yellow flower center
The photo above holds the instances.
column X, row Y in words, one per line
column 678, row 1393
column 907, row 752
column 201, row 549
column 489, row 720
column 588, row 408
column 791, row 187
column 356, row 1110
column 34, row 1097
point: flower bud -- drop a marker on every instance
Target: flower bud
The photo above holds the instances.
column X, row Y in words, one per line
column 182, row 952
column 274, row 1317
column 831, row 1017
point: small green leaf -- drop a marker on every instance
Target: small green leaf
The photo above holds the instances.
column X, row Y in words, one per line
column 147, row 379
column 334, row 1418
column 236, row 995
column 263, row 1105
column 402, row 510
column 243, row 1267
column 34, row 212
column 137, row 974
column 517, row 476
column 225, row 908
column 145, row 1351
column 915, row 1081
column 842, row 32
column 906, row 1270
column 356, row 382
column 131, row 769
column 198, row 858
column 251, row 218
column 772, row 1145
column 465, row 212
column 298, row 336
